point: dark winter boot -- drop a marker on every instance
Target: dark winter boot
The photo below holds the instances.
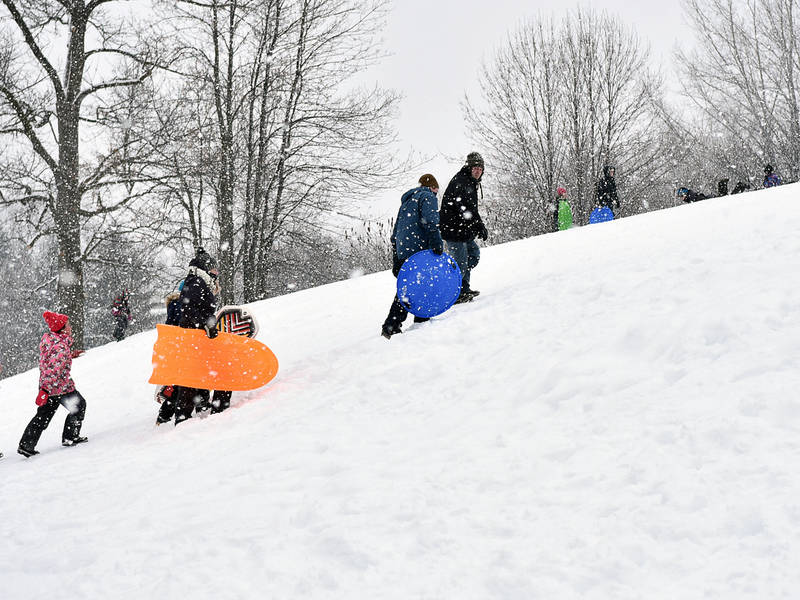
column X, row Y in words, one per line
column 221, row 400
column 27, row 452
column 389, row 331
column 74, row 442
column 466, row 295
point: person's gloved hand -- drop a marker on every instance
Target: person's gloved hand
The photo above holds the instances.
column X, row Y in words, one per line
column 211, row 328
column 77, row 353
column 41, row 398
column 483, row 233
column 438, row 248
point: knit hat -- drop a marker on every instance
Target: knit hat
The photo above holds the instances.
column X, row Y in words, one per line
column 55, row 321
column 562, row 191
column 203, row 260
column 429, row 181
column 474, row 160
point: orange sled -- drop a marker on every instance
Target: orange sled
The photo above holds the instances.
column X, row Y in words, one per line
column 229, row 362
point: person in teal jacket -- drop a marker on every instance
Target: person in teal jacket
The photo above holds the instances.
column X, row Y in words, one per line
column 416, row 229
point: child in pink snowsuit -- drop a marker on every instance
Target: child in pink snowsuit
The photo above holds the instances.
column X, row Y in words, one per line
column 55, row 387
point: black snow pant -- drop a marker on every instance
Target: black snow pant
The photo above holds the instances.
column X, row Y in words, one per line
column 73, row 402
column 122, row 325
column 187, row 401
column 397, row 315
column 220, row 401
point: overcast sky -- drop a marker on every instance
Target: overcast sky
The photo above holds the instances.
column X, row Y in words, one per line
column 437, row 47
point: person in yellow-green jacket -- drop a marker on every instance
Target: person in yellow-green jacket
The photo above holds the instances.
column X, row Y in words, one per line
column 563, row 213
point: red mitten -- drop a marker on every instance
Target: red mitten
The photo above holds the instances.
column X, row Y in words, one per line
column 77, row 353
column 41, row 398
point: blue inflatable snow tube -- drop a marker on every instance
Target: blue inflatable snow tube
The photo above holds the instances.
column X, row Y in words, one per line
column 601, row 215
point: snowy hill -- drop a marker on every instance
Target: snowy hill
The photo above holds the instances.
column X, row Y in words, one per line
column 616, row 416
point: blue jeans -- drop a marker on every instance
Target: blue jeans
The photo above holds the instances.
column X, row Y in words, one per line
column 467, row 255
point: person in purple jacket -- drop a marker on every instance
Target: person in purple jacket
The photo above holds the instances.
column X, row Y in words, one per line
column 55, row 387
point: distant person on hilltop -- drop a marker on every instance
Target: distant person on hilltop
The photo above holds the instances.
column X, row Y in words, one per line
column 121, row 312
column 771, row 179
column 416, row 229
column 722, row 187
column 562, row 214
column 688, row 195
column 460, row 221
column 740, row 187
column 55, row 387
column 606, row 191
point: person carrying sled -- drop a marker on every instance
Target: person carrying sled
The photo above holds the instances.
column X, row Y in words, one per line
column 460, row 221
column 164, row 395
column 606, row 191
column 562, row 217
column 55, row 387
column 771, row 178
column 198, row 307
column 415, row 229
column 689, row 196
column 122, row 315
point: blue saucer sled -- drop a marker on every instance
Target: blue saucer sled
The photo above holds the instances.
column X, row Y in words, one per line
column 601, row 215
column 428, row 284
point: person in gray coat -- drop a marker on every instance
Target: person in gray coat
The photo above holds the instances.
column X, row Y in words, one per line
column 416, row 229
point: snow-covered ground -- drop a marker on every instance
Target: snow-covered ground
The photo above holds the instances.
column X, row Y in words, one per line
column 617, row 416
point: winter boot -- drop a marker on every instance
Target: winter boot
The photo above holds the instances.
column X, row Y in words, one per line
column 388, row 332
column 27, row 452
column 466, row 296
column 164, row 394
column 76, row 441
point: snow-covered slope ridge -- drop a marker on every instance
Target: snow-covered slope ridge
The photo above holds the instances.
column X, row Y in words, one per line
column 616, row 416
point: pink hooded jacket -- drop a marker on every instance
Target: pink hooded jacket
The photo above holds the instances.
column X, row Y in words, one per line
column 55, row 363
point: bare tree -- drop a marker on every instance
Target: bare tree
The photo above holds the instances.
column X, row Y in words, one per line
column 743, row 77
column 518, row 125
column 559, row 102
column 50, row 111
column 291, row 137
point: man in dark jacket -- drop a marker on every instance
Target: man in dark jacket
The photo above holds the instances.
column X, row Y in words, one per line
column 460, row 222
column 607, row 189
column 688, row 195
column 199, row 305
column 416, row 229
column 740, row 187
column 122, row 315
